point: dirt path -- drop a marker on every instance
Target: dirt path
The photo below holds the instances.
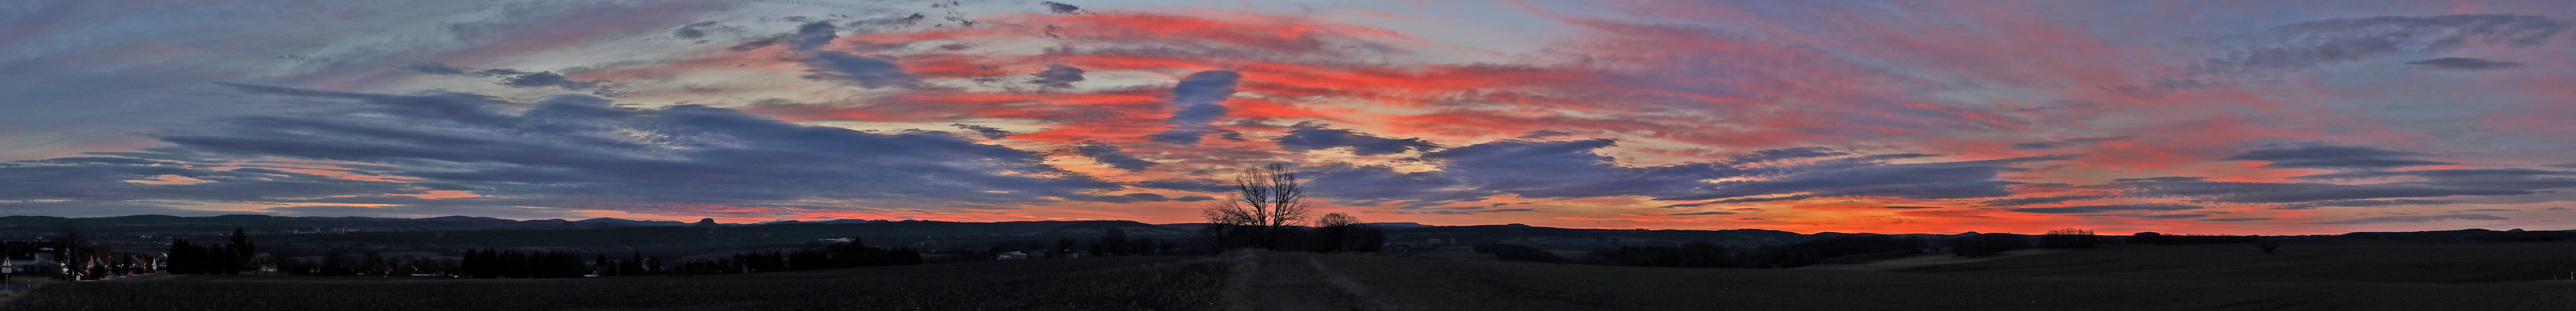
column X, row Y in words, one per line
column 1929, row 259
column 1293, row 281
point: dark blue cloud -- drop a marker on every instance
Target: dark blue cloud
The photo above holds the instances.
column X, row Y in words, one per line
column 2039, row 200
column 568, row 151
column 546, row 79
column 2309, row 45
column 1112, row 156
column 435, row 68
column 869, row 72
column 2325, row 156
column 1575, row 169
column 815, row 35
column 2088, row 209
column 2464, row 63
column 1060, row 8
column 510, row 77
column 2256, row 192
column 1199, row 185
column 1760, row 156
column 1198, row 101
column 1308, row 137
column 1371, row 185
column 2363, row 203
column 986, row 131
column 1057, row 77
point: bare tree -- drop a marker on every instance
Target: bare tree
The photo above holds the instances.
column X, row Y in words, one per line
column 1266, row 198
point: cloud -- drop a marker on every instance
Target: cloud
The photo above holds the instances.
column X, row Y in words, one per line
column 2039, row 200
column 435, row 68
column 1057, row 76
column 2166, row 178
column 1198, row 101
column 1195, row 198
column 509, row 77
column 1947, row 214
column 1309, row 136
column 2363, row 203
column 1060, row 8
column 1199, row 185
column 1701, row 213
column 1909, row 207
column 2235, row 219
column 2256, row 192
column 2404, row 219
column 1760, row 156
column 575, row 151
column 1943, row 180
column 815, row 35
column 2104, row 208
column 2464, row 63
column 987, row 131
column 2068, row 142
column 2166, row 216
column 548, row 78
column 1111, row 155
column 2312, row 44
column 2435, row 183
column 869, row 72
column 1751, row 200
column 2325, row 156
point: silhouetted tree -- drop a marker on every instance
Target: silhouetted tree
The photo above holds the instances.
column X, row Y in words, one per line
column 1343, row 233
column 1266, row 201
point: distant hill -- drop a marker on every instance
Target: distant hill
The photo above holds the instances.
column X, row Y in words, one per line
column 2468, row 235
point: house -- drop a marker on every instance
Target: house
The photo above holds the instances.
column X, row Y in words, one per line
column 1011, row 255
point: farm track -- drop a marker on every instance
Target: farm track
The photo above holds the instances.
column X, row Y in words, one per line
column 1295, row 281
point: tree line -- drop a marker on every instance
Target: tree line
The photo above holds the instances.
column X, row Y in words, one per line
column 854, row 254
column 191, row 258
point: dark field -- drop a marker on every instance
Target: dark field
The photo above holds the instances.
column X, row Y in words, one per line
column 2334, row 261
column 2341, row 276
column 2307, row 276
column 1129, row 283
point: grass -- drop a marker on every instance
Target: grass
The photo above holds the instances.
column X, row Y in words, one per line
column 1449, row 283
column 2320, row 275
column 1124, row 283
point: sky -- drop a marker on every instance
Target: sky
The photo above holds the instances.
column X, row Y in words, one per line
column 2181, row 117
